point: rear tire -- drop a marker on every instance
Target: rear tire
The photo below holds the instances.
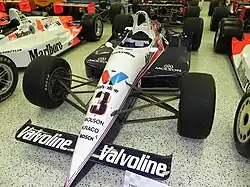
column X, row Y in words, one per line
column 193, row 11
column 8, row 78
column 40, row 82
column 92, row 27
column 212, row 5
column 227, row 29
column 193, row 27
column 121, row 22
column 219, row 13
column 115, row 9
column 197, row 105
column 242, row 127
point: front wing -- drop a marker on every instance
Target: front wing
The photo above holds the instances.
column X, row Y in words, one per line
column 142, row 163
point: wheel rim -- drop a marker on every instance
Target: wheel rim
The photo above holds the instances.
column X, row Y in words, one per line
column 243, row 122
column 55, row 89
column 98, row 28
column 6, row 78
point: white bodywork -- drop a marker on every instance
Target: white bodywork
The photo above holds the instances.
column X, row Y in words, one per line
column 241, row 61
column 35, row 36
column 125, row 66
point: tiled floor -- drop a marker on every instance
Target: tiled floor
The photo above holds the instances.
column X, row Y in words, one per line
column 213, row 162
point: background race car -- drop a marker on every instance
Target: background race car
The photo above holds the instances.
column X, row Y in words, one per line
column 25, row 38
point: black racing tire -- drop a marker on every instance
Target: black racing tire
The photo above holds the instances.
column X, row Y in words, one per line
column 196, row 106
column 115, row 9
column 135, row 6
column 193, row 11
column 41, row 84
column 242, row 127
column 193, row 27
column 8, row 72
column 120, row 22
column 219, row 13
column 212, row 5
column 92, row 27
column 227, row 29
column 193, row 3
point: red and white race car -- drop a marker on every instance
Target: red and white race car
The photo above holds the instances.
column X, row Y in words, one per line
column 23, row 39
column 231, row 40
column 135, row 57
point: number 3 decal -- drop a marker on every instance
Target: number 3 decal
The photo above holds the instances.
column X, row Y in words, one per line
column 101, row 106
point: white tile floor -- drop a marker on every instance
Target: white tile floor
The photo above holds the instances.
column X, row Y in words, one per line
column 213, row 162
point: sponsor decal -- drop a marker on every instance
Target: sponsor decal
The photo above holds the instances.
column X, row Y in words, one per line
column 94, row 120
column 11, row 51
column 107, row 87
column 92, row 129
column 140, row 162
column 49, row 50
column 242, row 73
column 124, row 52
column 87, row 137
column 168, row 67
column 98, row 60
column 47, row 25
column 41, row 137
column 22, row 34
column 119, row 77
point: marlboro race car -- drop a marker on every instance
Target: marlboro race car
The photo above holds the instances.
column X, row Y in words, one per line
column 140, row 61
column 229, row 39
column 25, row 38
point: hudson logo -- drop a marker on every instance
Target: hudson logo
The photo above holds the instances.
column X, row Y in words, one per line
column 119, row 77
column 48, row 50
column 141, row 163
column 44, row 138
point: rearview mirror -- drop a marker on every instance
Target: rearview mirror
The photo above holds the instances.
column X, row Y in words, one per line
column 109, row 44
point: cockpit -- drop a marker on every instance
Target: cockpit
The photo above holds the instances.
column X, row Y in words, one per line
column 141, row 34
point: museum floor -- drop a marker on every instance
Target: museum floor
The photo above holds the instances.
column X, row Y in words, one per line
column 213, row 162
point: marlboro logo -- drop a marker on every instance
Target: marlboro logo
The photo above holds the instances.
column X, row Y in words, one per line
column 44, row 138
column 141, row 163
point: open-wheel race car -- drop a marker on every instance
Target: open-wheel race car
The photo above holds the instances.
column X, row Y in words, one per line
column 23, row 39
column 136, row 62
column 230, row 39
column 170, row 12
column 229, row 9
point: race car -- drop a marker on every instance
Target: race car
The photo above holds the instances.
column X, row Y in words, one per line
column 229, row 9
column 132, row 54
column 25, row 38
column 230, row 39
column 170, row 12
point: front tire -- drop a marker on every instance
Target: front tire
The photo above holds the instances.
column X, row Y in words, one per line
column 242, row 126
column 197, row 105
column 227, row 29
column 41, row 85
column 8, row 78
column 92, row 27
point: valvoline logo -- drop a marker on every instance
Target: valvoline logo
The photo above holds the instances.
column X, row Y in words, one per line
column 119, row 77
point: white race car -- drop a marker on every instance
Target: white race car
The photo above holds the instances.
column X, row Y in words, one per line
column 25, row 38
column 133, row 53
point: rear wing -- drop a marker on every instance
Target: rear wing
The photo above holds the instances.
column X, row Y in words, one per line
column 58, row 7
column 24, row 5
column 140, row 162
